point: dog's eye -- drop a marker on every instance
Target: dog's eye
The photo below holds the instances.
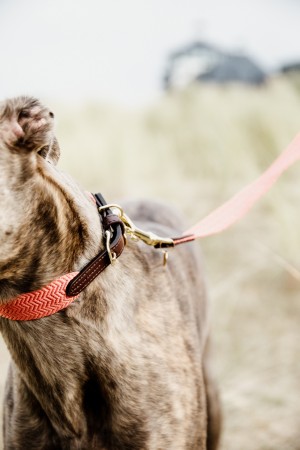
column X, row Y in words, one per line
column 43, row 151
column 24, row 114
column 51, row 114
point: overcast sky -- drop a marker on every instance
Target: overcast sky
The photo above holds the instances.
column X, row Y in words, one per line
column 115, row 50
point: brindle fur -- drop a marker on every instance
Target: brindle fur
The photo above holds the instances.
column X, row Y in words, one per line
column 124, row 367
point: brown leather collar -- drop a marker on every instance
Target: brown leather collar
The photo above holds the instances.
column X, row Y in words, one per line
column 112, row 223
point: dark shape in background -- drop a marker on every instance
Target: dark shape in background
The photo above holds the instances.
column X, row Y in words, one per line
column 201, row 61
column 293, row 67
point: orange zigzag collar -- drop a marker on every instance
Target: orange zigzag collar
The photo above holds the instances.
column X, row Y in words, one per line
column 41, row 303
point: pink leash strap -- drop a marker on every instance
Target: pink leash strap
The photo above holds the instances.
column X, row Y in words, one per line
column 41, row 303
column 235, row 208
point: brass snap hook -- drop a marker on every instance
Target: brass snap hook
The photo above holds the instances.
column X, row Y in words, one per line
column 136, row 233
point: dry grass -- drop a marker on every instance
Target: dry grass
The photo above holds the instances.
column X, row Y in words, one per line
column 195, row 149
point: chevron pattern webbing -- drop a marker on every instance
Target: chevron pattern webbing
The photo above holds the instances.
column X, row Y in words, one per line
column 41, row 303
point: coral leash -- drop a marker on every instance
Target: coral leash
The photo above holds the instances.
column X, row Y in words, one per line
column 57, row 295
column 238, row 206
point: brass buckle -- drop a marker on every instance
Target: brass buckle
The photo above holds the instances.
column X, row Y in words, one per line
column 136, row 233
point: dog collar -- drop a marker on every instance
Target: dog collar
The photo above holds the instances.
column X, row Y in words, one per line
column 61, row 292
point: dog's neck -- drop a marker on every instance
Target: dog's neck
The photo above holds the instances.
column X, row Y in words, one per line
column 63, row 360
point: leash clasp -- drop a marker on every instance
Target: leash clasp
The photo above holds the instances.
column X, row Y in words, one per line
column 136, row 233
column 149, row 238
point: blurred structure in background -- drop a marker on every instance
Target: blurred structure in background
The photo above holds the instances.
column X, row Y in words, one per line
column 293, row 68
column 201, row 61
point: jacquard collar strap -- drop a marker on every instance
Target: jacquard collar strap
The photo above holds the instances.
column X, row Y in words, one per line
column 64, row 290
column 41, row 303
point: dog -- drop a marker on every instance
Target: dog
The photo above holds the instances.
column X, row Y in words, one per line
column 125, row 366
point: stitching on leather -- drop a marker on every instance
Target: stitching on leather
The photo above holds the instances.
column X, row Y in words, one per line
column 93, row 271
column 90, row 271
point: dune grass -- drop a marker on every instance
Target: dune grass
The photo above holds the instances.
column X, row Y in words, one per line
column 195, row 148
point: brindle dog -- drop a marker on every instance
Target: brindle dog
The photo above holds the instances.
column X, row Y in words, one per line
column 123, row 367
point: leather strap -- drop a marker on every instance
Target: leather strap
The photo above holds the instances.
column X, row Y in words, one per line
column 109, row 222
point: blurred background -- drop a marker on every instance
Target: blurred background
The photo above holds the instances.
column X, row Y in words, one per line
column 187, row 101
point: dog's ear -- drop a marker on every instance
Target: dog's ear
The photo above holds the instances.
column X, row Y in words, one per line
column 51, row 152
column 27, row 126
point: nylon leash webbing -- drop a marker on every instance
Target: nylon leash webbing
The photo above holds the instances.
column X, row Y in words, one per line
column 239, row 205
